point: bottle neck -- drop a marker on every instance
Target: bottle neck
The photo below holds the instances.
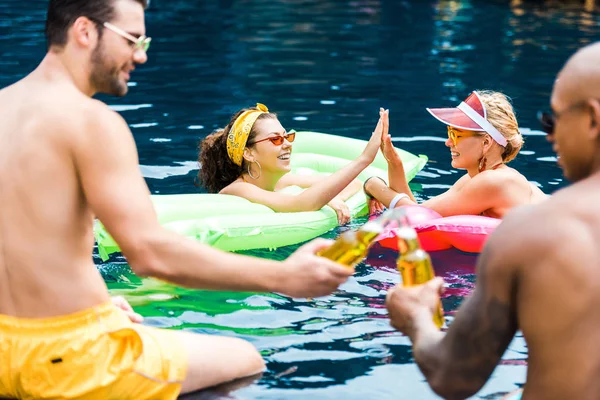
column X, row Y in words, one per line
column 408, row 245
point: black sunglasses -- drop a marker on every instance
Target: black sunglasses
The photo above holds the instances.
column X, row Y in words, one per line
column 547, row 121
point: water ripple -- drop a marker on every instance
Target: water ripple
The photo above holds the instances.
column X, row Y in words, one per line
column 326, row 66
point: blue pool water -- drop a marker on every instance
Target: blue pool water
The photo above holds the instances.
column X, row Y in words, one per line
column 328, row 66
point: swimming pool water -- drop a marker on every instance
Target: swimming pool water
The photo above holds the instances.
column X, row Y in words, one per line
column 328, row 66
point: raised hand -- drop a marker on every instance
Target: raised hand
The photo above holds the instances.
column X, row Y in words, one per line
column 375, row 142
column 387, row 147
column 309, row 275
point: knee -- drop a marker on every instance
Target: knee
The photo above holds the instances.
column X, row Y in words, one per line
column 250, row 359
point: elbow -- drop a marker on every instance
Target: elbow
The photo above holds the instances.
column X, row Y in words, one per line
column 448, row 378
column 142, row 261
column 452, row 387
column 316, row 207
column 143, row 257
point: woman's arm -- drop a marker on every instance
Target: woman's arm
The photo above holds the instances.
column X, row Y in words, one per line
column 306, row 181
column 396, row 173
column 313, row 198
column 338, row 203
column 377, row 189
column 466, row 197
column 320, row 193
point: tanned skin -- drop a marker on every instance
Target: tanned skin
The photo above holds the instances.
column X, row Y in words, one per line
column 539, row 273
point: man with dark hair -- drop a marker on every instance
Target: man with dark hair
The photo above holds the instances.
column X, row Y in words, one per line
column 65, row 158
column 63, row 13
column 538, row 272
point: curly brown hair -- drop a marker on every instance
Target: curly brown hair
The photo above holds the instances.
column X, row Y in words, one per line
column 216, row 168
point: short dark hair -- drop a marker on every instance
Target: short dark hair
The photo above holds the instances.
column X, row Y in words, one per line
column 63, row 13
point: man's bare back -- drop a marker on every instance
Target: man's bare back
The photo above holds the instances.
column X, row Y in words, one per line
column 65, row 159
column 46, row 268
column 558, row 293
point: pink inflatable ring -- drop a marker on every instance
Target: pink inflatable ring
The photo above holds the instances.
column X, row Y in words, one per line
column 467, row 233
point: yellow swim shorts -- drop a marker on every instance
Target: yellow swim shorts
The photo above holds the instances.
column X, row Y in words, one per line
column 97, row 353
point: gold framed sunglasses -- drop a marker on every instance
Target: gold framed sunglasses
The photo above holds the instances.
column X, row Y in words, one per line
column 456, row 135
column 140, row 43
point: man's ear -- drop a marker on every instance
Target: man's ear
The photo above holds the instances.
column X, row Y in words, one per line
column 84, row 32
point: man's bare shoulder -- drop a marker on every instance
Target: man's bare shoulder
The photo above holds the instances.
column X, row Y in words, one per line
column 58, row 108
column 529, row 231
column 90, row 114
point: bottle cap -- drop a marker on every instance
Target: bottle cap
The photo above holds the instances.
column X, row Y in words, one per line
column 406, row 232
column 372, row 226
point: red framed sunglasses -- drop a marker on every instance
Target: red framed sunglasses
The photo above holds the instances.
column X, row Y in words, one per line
column 278, row 140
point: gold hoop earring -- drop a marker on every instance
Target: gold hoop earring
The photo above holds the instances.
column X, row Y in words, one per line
column 259, row 170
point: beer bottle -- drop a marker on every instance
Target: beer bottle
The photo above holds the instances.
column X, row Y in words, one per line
column 351, row 247
column 414, row 264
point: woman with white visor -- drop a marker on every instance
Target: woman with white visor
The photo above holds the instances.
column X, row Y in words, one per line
column 483, row 136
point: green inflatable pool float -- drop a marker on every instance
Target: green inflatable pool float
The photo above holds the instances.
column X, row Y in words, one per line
column 232, row 223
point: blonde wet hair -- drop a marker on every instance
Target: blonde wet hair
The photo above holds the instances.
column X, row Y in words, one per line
column 501, row 115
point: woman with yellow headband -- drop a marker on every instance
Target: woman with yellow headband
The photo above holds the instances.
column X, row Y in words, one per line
column 250, row 158
column 483, row 136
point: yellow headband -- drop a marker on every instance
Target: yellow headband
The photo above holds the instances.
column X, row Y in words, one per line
column 239, row 132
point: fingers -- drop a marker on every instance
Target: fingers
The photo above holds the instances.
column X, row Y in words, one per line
column 331, row 276
column 124, row 305
column 378, row 127
column 120, row 302
column 387, row 140
column 340, row 216
column 135, row 317
column 389, row 295
column 315, row 245
column 372, row 206
column 386, row 123
column 344, row 218
column 375, row 206
column 346, row 214
column 338, row 271
column 437, row 284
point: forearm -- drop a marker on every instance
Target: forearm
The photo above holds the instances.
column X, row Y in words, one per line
column 167, row 256
column 426, row 339
column 354, row 187
column 380, row 191
column 457, row 364
column 321, row 193
column 397, row 178
column 438, row 363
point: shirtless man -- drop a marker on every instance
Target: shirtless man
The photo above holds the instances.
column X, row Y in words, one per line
column 64, row 158
column 539, row 272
